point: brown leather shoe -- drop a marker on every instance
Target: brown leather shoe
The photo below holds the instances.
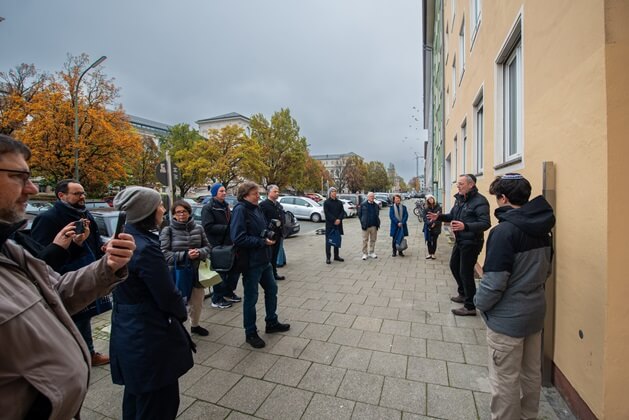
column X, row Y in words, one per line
column 464, row 312
column 99, row 359
column 458, row 299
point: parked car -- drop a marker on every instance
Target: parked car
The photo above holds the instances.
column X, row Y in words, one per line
column 358, row 199
column 292, row 226
column 106, row 219
column 316, row 197
column 96, row 204
column 36, row 207
column 385, row 198
column 350, row 208
column 303, row 208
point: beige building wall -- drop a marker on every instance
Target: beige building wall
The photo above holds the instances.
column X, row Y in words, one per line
column 575, row 115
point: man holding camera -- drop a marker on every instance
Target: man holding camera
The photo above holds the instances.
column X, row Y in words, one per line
column 274, row 214
column 254, row 239
column 84, row 249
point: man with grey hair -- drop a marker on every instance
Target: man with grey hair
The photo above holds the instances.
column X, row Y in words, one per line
column 273, row 210
column 469, row 218
column 368, row 214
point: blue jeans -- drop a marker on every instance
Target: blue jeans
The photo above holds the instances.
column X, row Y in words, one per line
column 85, row 328
column 227, row 286
column 262, row 275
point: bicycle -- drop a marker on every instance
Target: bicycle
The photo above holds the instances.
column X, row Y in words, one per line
column 418, row 211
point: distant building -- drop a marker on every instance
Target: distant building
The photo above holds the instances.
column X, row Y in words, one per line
column 149, row 128
column 335, row 163
column 233, row 118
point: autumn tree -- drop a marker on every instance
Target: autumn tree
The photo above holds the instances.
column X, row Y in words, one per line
column 376, row 178
column 227, row 155
column 314, row 176
column 108, row 146
column 403, row 186
column 143, row 172
column 179, row 141
column 19, row 88
column 283, row 150
column 354, row 173
column 414, row 184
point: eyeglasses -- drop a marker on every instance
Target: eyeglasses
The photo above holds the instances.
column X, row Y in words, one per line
column 181, row 212
column 77, row 193
column 23, row 176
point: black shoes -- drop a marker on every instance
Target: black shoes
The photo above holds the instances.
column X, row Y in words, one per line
column 464, row 312
column 199, row 330
column 401, row 254
column 327, row 261
column 255, row 341
column 338, row 259
column 458, row 299
column 280, row 277
column 277, row 327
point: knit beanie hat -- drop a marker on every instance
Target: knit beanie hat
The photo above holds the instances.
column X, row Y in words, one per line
column 138, row 202
column 215, row 188
column 330, row 190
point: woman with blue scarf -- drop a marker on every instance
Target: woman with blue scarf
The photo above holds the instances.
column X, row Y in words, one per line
column 399, row 216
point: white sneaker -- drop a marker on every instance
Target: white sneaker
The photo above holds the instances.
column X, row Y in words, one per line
column 373, row 255
column 364, row 257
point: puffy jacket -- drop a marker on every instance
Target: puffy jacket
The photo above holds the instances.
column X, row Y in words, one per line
column 176, row 239
column 511, row 294
column 245, row 228
column 42, row 355
column 215, row 218
column 473, row 210
column 369, row 215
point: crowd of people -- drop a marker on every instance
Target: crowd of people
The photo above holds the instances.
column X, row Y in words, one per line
column 62, row 267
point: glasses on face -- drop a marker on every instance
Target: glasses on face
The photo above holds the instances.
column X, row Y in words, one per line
column 77, row 193
column 22, row 176
column 181, row 212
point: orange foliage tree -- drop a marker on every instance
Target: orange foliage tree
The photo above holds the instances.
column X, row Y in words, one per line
column 108, row 146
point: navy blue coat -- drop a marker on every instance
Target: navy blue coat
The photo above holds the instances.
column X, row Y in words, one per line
column 394, row 221
column 247, row 223
column 149, row 346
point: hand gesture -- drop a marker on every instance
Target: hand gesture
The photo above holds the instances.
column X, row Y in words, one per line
column 337, row 222
column 269, row 242
column 119, row 251
column 457, row 226
column 432, row 216
column 193, row 253
column 65, row 236
column 80, row 238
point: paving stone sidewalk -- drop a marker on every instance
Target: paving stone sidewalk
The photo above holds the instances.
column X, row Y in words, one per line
column 369, row 339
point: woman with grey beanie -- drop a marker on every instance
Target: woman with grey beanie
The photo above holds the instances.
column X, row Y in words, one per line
column 149, row 348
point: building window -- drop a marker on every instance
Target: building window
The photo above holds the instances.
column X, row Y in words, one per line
column 464, row 147
column 453, row 11
column 445, row 43
column 455, row 160
column 509, row 111
column 453, row 86
column 479, row 134
column 462, row 48
column 475, row 15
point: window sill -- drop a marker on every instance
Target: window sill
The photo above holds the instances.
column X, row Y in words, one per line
column 512, row 161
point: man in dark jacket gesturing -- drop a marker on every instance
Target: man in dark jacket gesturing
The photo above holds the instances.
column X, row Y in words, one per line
column 511, row 296
column 469, row 218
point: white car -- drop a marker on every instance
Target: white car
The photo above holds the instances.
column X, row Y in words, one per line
column 350, row 208
column 303, row 208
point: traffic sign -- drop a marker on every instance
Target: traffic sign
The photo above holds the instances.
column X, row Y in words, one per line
column 161, row 173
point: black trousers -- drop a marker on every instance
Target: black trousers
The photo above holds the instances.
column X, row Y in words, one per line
column 162, row 403
column 328, row 248
column 431, row 243
column 462, row 262
column 276, row 250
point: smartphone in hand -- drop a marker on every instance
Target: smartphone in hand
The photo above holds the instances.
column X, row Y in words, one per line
column 79, row 227
column 122, row 219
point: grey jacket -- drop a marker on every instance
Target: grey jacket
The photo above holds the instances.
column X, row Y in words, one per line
column 42, row 352
column 176, row 239
column 511, row 295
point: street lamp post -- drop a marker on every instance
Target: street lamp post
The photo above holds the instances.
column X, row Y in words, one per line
column 76, row 115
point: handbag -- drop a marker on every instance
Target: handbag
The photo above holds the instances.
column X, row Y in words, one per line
column 334, row 237
column 207, row 276
column 99, row 306
column 222, row 257
column 184, row 277
column 400, row 243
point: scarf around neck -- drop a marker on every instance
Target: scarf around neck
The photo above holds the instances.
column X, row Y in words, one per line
column 397, row 210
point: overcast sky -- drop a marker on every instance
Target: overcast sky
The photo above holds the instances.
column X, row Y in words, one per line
column 349, row 70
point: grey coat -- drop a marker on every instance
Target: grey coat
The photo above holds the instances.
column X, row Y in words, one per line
column 176, row 239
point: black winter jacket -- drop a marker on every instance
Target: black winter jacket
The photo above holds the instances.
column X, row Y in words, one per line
column 511, row 295
column 363, row 215
column 246, row 225
column 333, row 210
column 473, row 210
column 215, row 218
column 273, row 210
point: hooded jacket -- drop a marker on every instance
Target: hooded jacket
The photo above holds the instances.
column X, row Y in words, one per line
column 43, row 358
column 511, row 294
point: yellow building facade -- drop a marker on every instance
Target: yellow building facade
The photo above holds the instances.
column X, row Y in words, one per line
column 528, row 82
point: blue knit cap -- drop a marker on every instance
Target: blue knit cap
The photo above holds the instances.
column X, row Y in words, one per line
column 215, row 188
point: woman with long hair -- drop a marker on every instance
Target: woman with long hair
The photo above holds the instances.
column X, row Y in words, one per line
column 399, row 216
column 432, row 230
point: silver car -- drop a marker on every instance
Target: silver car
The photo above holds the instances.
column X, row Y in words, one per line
column 303, row 208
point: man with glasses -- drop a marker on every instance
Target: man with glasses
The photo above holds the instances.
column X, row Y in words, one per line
column 70, row 207
column 44, row 367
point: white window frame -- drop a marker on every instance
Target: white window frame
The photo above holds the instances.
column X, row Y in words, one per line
column 445, row 43
column 476, row 9
column 453, row 12
column 455, row 159
column 462, row 49
column 509, row 145
column 464, row 146
column 479, row 133
column 454, row 80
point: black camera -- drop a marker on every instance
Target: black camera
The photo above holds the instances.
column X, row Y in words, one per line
column 272, row 230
